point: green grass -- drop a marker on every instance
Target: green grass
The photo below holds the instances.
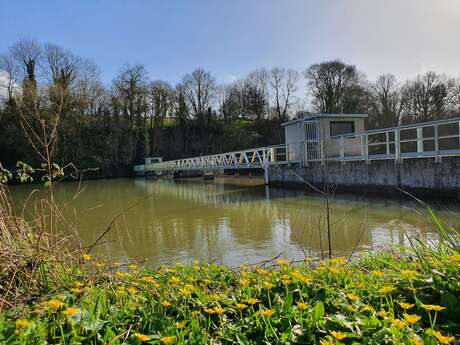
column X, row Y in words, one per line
column 380, row 298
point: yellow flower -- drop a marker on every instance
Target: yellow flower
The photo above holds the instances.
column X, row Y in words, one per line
column 282, row 262
column 368, row 308
column 432, row 307
column 86, row 257
column 245, row 283
column 141, row 337
column 417, row 341
column 262, row 271
column 252, row 301
column 325, row 342
column 455, row 258
column 286, row 280
column 268, row 312
column 409, row 273
column 148, row 279
column 405, row 306
column 398, row 323
column 168, row 339
column 219, row 310
column 338, row 335
column 387, row 290
column 165, row 304
column 378, row 273
column 132, row 290
column 175, row 280
column 196, row 262
column 382, row 313
column 195, row 313
column 23, row 324
column 302, row 306
column 353, row 297
column 442, row 338
column 340, row 261
column 267, row 285
column 54, row 304
column 181, row 325
column 70, row 312
column 411, row 319
column 132, row 267
column 76, row 290
column 209, row 311
column 241, row 306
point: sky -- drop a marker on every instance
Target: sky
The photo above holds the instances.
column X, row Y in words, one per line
column 232, row 37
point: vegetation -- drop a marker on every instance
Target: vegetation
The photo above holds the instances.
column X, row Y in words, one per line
column 115, row 126
column 378, row 299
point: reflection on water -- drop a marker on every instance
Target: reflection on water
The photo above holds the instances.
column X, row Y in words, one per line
column 215, row 221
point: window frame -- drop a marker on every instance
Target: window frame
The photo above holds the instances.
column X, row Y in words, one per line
column 341, row 122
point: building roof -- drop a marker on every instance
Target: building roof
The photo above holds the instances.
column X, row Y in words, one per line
column 319, row 115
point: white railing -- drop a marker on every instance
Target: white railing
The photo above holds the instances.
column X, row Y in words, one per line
column 252, row 158
column 430, row 139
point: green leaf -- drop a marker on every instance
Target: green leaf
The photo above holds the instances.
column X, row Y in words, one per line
column 318, row 312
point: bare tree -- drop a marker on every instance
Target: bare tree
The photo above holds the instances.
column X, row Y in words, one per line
column 256, row 93
column 160, row 96
column 335, row 87
column 9, row 74
column 28, row 53
column 91, row 96
column 199, row 89
column 63, row 68
column 386, row 102
column 284, row 85
column 427, row 98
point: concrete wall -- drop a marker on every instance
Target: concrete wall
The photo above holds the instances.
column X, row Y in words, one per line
column 418, row 174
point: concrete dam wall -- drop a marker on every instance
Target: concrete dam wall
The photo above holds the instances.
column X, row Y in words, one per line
column 417, row 174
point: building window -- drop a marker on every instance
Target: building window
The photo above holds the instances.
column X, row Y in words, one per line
column 342, row 127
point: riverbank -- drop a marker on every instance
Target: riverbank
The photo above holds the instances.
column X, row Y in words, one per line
column 379, row 298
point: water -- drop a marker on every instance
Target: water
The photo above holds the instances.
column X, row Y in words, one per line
column 231, row 221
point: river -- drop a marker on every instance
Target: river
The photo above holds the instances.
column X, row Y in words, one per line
column 233, row 220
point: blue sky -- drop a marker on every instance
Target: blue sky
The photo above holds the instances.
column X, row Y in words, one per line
column 233, row 37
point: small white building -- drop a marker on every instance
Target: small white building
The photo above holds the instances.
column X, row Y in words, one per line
column 311, row 136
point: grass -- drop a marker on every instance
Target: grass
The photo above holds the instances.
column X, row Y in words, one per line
column 380, row 298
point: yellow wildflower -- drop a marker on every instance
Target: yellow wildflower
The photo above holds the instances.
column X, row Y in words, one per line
column 132, row 267
column 455, row 258
column 409, row 273
column 209, row 310
column 76, row 290
column 302, row 306
column 252, row 301
column 148, row 279
column 70, row 312
column 196, row 262
column 132, row 290
column 325, row 342
column 411, row 319
column 86, row 257
column 241, row 306
column 141, row 337
column 262, row 271
column 286, row 280
column 23, row 324
column 282, row 262
column 181, row 325
column 368, row 308
column 340, row 261
column 245, row 283
column 338, row 335
column 382, row 313
column 219, row 310
column 353, row 297
column 195, row 313
column 165, row 304
column 387, row 290
column 168, row 339
column 378, row 273
column 54, row 304
column 405, row 306
column 442, row 338
column 267, row 285
column 174, row 280
column 268, row 312
column 417, row 341
column 432, row 307
column 398, row 323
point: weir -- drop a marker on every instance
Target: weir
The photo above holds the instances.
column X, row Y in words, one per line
column 419, row 156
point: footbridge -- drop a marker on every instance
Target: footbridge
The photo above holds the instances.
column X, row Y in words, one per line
column 367, row 156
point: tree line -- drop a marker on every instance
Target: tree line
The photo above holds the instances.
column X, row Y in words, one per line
column 115, row 126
